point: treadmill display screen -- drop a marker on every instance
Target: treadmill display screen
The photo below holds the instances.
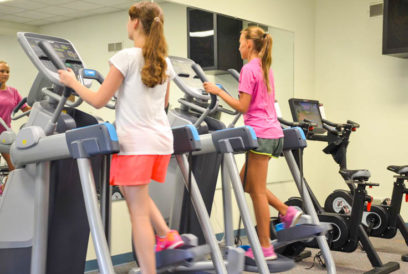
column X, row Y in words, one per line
column 64, row 50
column 307, row 109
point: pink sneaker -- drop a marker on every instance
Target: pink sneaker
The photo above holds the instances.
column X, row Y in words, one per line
column 269, row 253
column 171, row 241
column 291, row 217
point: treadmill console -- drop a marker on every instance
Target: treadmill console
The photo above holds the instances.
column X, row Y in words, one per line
column 64, row 49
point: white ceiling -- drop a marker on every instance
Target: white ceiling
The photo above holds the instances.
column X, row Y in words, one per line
column 43, row 12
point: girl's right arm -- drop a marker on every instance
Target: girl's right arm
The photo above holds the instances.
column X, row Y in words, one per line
column 241, row 104
column 97, row 98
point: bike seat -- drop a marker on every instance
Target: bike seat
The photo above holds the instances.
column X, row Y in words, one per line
column 358, row 174
column 399, row 169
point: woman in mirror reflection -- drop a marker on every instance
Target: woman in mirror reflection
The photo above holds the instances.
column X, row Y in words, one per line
column 9, row 99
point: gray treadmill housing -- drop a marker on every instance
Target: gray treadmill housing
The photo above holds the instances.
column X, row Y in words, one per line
column 35, row 94
column 41, row 208
column 241, row 139
column 294, row 138
column 186, row 139
column 7, row 138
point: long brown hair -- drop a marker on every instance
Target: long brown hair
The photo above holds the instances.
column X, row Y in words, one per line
column 263, row 45
column 155, row 47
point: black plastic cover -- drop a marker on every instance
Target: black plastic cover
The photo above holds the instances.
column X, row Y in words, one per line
column 91, row 140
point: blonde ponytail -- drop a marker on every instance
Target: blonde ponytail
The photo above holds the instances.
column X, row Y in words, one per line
column 266, row 56
column 263, row 45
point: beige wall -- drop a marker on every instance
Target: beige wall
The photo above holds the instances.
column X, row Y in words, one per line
column 355, row 81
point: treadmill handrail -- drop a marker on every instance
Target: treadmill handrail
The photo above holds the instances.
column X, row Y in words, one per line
column 17, row 108
column 191, row 105
column 234, row 73
column 92, row 74
column 5, row 125
column 47, row 91
column 202, row 109
column 193, row 92
column 200, row 73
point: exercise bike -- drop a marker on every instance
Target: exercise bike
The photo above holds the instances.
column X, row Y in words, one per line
column 383, row 220
column 394, row 221
column 348, row 231
column 337, row 138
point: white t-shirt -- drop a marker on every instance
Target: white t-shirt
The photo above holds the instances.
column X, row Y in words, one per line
column 141, row 121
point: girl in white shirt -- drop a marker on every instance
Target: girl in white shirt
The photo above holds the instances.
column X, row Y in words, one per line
column 141, row 75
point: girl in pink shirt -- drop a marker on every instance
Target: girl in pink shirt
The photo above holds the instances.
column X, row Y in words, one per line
column 9, row 99
column 257, row 103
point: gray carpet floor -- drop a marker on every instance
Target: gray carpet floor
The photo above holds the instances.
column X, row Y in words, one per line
column 357, row 262
column 350, row 263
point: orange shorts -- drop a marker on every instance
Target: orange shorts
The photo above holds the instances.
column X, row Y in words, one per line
column 138, row 169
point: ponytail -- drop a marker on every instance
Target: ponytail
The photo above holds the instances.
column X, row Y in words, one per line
column 266, row 57
column 154, row 53
column 155, row 47
column 263, row 45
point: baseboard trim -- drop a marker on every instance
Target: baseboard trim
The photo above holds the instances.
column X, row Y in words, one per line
column 116, row 260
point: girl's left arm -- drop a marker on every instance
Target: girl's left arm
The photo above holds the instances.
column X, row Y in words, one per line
column 97, row 98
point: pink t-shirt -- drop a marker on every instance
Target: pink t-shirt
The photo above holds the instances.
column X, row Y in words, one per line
column 261, row 114
column 9, row 99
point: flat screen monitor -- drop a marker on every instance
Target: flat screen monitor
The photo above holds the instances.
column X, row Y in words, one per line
column 307, row 109
column 395, row 28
